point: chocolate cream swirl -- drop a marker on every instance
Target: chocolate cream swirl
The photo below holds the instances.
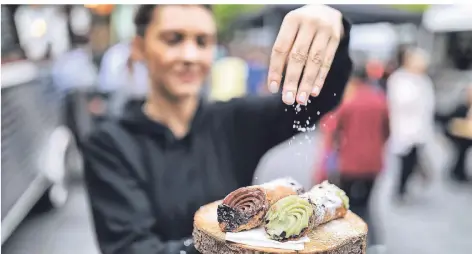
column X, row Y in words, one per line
column 240, row 206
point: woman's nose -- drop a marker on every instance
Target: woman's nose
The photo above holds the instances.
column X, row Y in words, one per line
column 190, row 52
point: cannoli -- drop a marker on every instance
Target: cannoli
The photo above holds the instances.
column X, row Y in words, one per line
column 293, row 217
column 245, row 208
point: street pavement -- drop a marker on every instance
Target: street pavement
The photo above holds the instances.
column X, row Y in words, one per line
column 436, row 219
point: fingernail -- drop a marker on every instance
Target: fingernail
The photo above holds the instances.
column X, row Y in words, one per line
column 289, row 98
column 302, row 98
column 315, row 91
column 273, row 87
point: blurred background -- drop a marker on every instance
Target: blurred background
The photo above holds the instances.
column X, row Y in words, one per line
column 58, row 64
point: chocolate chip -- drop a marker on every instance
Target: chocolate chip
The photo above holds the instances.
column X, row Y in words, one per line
column 231, row 217
column 283, row 234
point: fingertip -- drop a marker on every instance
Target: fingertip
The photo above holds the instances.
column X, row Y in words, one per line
column 302, row 98
column 316, row 91
column 288, row 97
column 273, row 87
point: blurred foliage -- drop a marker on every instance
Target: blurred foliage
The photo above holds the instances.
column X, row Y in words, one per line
column 225, row 13
column 412, row 7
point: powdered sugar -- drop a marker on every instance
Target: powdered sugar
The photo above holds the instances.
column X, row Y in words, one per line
column 325, row 200
column 335, row 231
column 286, row 181
column 302, row 126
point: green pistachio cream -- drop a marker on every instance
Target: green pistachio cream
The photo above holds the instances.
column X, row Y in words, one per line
column 288, row 218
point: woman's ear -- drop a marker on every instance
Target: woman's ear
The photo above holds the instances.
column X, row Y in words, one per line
column 137, row 49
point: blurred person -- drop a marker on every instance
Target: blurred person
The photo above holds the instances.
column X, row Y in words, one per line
column 124, row 78
column 328, row 158
column 390, row 67
column 75, row 68
column 327, row 163
column 74, row 74
column 257, row 71
column 148, row 172
column 375, row 70
column 412, row 112
column 462, row 144
column 361, row 131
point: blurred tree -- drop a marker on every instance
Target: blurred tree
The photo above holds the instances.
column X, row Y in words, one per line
column 225, row 13
column 412, row 7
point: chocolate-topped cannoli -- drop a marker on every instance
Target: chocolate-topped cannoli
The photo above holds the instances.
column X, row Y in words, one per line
column 245, row 208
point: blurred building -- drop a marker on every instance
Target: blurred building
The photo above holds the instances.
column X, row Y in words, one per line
column 449, row 40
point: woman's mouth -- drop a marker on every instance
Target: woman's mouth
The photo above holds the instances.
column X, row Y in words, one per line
column 188, row 76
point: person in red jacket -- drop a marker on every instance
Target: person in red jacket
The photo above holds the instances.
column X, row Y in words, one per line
column 361, row 132
column 328, row 158
column 362, row 128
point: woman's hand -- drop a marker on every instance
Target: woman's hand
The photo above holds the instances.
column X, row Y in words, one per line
column 309, row 37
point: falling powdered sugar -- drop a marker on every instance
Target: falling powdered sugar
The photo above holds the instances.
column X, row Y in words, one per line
column 302, row 126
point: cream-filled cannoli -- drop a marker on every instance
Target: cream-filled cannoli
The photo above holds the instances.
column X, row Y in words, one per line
column 293, row 217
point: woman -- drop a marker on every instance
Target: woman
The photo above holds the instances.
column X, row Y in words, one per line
column 122, row 77
column 411, row 106
column 149, row 172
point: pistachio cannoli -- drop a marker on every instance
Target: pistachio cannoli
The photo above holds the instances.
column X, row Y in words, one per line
column 293, row 217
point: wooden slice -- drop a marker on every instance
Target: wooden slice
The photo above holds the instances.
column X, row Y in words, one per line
column 342, row 236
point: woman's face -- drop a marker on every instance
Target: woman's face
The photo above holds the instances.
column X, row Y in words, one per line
column 417, row 62
column 178, row 49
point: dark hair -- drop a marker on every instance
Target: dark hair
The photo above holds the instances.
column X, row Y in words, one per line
column 144, row 16
column 360, row 72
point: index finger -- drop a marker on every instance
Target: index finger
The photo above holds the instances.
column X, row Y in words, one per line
column 282, row 46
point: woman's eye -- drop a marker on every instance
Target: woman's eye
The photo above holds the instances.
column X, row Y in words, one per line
column 202, row 41
column 206, row 40
column 173, row 39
